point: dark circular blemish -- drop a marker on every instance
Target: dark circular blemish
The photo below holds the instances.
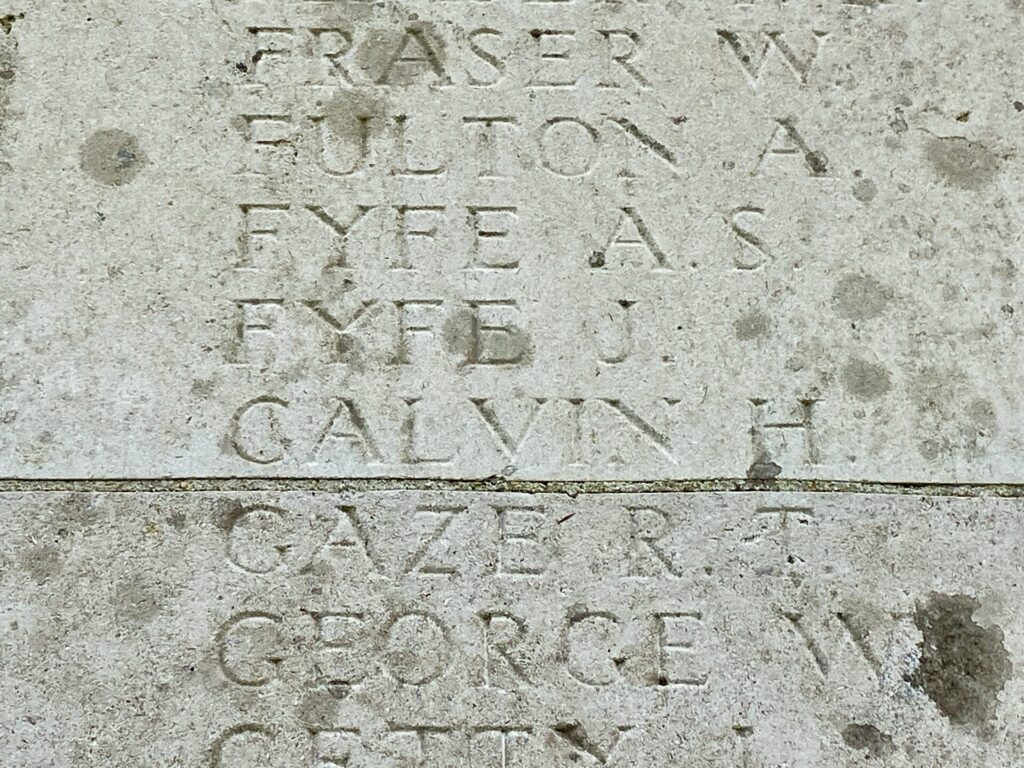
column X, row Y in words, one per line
column 860, row 297
column 112, row 157
column 866, row 738
column 865, row 191
column 752, row 325
column 865, row 380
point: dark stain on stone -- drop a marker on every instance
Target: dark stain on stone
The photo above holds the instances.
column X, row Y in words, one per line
column 981, row 417
column 864, row 380
column 764, row 469
column 42, row 562
column 860, row 297
column 408, row 54
column 112, row 157
column 353, row 116
column 318, row 709
column 203, row 387
column 227, row 514
column 341, row 15
column 868, row 738
column 752, row 325
column 817, row 162
column 7, row 21
column 963, row 665
column 136, row 599
column 1005, row 270
column 465, row 337
column 458, row 333
column 962, row 163
column 76, row 512
column 951, row 419
column 865, row 190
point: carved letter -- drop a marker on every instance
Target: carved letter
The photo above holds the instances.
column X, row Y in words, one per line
column 251, row 648
column 266, row 446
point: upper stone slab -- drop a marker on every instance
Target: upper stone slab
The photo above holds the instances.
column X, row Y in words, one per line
column 573, row 239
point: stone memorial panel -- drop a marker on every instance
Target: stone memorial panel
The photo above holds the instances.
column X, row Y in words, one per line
column 511, row 383
column 313, row 630
column 549, row 239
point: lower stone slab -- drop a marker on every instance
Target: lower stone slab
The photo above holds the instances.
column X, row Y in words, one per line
column 491, row 630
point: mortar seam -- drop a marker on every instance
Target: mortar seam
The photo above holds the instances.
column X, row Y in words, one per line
column 503, row 485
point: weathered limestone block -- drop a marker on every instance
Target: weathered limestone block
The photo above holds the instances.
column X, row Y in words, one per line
column 577, row 239
column 311, row 307
column 306, row 630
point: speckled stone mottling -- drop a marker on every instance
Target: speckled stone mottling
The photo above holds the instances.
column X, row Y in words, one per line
column 241, row 629
column 419, row 384
column 572, row 241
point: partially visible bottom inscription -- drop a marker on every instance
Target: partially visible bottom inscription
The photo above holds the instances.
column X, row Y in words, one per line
column 312, row 630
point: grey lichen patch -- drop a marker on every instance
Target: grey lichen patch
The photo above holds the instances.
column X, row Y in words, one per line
column 352, row 115
column 964, row 665
column 42, row 562
column 869, row 739
column 752, row 325
column 203, row 387
column 459, row 333
column 864, row 380
column 403, row 55
column 951, row 419
column 75, row 513
column 341, row 15
column 318, row 709
column 112, row 157
column 763, row 469
column 962, row 163
column 465, row 337
column 860, row 297
column 981, row 415
column 352, row 352
column 136, row 599
column 1005, row 271
column 865, row 190
column 808, row 354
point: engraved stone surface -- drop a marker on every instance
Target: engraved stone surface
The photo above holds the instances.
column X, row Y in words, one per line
column 552, row 239
column 436, row 383
column 308, row 630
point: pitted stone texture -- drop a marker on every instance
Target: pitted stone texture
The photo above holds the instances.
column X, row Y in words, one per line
column 294, row 630
column 541, row 239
